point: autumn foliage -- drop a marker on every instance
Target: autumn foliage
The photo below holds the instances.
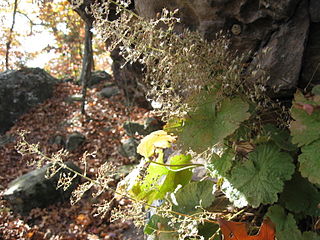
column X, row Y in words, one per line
column 239, row 231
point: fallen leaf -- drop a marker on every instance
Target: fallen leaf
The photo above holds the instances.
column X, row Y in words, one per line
column 157, row 139
column 239, row 231
column 83, row 219
column 29, row 235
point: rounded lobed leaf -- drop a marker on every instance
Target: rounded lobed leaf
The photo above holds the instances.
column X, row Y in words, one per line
column 305, row 127
column 262, row 176
column 222, row 164
column 300, row 196
column 188, row 199
column 286, row 227
column 310, row 162
column 206, row 127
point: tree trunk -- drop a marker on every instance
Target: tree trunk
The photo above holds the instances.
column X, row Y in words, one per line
column 87, row 64
column 9, row 41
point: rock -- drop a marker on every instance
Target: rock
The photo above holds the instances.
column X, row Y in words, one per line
column 99, row 77
column 124, row 170
column 200, row 172
column 128, row 148
column 133, row 128
column 277, row 58
column 129, row 79
column 21, row 90
column 310, row 74
column 34, row 190
column 58, row 140
column 109, row 91
column 314, row 10
column 150, row 125
column 74, row 140
column 253, row 25
column 96, row 78
column 254, row 28
column 75, row 98
column 4, row 139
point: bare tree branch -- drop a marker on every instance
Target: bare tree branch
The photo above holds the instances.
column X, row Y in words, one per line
column 31, row 22
column 8, row 44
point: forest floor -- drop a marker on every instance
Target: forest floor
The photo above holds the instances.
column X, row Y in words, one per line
column 57, row 116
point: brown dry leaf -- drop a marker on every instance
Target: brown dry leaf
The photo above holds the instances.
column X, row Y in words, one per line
column 58, row 117
column 29, row 235
column 83, row 219
column 239, row 231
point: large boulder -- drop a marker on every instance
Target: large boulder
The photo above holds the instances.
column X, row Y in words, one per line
column 275, row 32
column 109, row 91
column 4, row 139
column 314, row 9
column 21, row 90
column 98, row 77
column 34, row 190
column 310, row 74
column 281, row 37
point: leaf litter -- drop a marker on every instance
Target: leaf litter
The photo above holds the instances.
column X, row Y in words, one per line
column 58, row 116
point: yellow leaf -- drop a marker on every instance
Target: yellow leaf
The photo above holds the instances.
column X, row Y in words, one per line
column 157, row 139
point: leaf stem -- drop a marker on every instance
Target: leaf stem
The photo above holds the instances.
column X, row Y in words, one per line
column 177, row 165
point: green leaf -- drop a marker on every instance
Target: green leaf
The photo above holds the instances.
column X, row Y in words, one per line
column 161, row 179
column 205, row 127
column 207, row 229
column 261, row 177
column 192, row 195
column 157, row 139
column 174, row 126
column 242, row 133
column 222, row 164
column 310, row 162
column 153, row 224
column 316, row 90
column 286, row 227
column 300, row 196
column 167, row 236
column 149, row 186
column 173, row 179
column 305, row 128
column 158, row 226
column 310, row 236
column 280, row 137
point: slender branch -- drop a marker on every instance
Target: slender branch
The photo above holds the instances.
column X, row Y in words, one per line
column 122, row 194
column 8, row 44
column 190, row 216
column 126, row 9
column 31, row 22
column 63, row 165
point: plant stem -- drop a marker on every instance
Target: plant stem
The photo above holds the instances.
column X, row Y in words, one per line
column 178, row 165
